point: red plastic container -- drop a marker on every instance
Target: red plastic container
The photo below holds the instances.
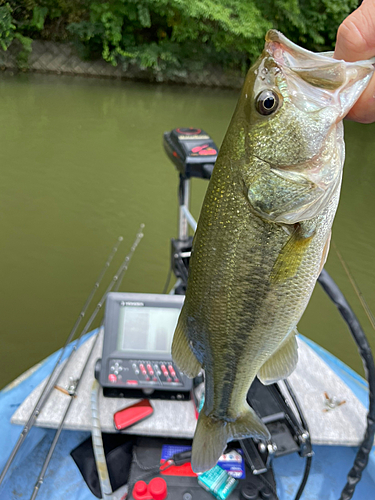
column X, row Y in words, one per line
column 132, row 414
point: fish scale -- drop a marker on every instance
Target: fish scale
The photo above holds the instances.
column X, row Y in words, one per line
column 263, row 234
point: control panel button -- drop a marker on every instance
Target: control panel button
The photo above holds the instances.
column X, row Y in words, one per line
column 112, row 377
column 171, row 370
column 150, row 370
column 143, row 369
column 132, row 382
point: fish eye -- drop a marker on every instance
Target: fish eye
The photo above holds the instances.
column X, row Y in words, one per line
column 267, row 102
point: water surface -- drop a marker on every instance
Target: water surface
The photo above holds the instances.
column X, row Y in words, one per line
column 82, row 162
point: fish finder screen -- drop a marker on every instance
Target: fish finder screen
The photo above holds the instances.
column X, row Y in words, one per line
column 147, row 329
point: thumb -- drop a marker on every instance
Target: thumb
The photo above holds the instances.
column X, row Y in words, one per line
column 356, row 42
column 356, row 35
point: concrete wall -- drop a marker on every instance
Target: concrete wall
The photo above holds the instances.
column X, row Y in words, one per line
column 61, row 58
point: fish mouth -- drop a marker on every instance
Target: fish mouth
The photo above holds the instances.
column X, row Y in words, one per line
column 343, row 81
column 278, row 44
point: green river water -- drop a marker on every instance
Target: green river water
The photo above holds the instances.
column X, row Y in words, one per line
column 82, row 162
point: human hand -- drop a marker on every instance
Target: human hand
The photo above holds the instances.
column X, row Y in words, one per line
column 355, row 42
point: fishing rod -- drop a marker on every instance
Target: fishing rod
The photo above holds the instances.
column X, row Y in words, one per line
column 57, row 370
column 96, row 433
column 358, row 292
column 73, row 392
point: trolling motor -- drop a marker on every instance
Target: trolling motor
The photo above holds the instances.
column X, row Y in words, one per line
column 194, row 153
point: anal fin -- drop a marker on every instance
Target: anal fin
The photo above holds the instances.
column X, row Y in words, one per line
column 181, row 352
column 282, row 362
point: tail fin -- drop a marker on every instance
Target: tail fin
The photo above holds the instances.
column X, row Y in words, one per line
column 212, row 434
column 210, row 440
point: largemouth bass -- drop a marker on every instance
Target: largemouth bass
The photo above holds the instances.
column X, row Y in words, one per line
column 263, row 234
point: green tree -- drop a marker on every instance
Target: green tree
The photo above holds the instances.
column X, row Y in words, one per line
column 173, row 35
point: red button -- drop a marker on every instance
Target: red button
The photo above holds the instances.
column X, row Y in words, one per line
column 158, row 488
column 150, row 370
column 155, row 490
column 112, row 377
column 143, row 369
column 140, row 491
column 169, row 379
column 132, row 382
column 171, row 370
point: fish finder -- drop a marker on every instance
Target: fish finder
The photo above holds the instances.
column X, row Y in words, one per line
column 136, row 359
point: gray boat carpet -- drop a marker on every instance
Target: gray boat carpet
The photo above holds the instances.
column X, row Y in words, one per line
column 312, row 379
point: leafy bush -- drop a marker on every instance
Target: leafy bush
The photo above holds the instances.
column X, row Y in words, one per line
column 173, row 35
column 6, row 26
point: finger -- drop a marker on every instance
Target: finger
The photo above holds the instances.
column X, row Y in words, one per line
column 355, row 42
column 363, row 110
column 356, row 35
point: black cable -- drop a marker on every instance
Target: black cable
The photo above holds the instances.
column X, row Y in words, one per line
column 364, row 348
column 306, row 428
column 297, row 405
column 305, row 478
column 266, row 483
column 147, row 471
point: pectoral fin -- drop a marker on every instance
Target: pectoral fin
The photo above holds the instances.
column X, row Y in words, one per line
column 181, row 353
column 290, row 256
column 282, row 363
column 325, row 252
